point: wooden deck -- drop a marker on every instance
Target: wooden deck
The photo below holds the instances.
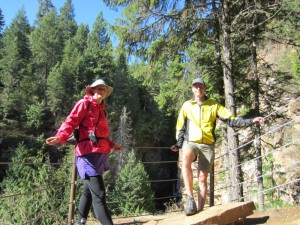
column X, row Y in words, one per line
column 216, row 215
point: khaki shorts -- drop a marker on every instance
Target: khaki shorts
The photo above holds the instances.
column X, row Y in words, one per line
column 204, row 152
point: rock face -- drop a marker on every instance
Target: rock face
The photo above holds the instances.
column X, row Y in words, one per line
column 287, row 158
column 280, row 156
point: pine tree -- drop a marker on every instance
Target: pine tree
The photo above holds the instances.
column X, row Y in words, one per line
column 98, row 55
column 44, row 7
column 62, row 79
column 67, row 21
column 29, row 191
column 15, row 68
column 69, row 76
column 160, row 35
column 133, row 192
column 123, row 136
column 46, row 43
column 124, row 85
column 286, row 30
column 2, row 23
column 81, row 36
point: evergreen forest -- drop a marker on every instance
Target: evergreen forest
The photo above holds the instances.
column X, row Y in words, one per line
column 246, row 51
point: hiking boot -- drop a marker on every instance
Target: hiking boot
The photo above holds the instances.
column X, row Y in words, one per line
column 82, row 221
column 191, row 207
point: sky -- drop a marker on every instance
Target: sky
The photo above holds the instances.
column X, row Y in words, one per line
column 86, row 11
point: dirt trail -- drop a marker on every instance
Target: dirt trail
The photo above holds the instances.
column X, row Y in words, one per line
column 287, row 216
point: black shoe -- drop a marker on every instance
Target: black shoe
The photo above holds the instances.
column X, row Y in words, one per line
column 191, row 207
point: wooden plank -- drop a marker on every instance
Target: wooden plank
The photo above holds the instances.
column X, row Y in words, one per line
column 216, row 215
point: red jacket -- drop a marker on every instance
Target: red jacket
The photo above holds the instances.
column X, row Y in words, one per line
column 90, row 117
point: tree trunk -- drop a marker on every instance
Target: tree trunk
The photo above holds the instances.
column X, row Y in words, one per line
column 235, row 171
column 220, row 82
column 45, row 85
column 226, row 165
column 257, row 143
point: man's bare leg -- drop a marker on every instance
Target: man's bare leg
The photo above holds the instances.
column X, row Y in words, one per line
column 202, row 182
column 187, row 172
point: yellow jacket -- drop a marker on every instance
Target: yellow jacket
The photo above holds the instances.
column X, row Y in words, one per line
column 196, row 123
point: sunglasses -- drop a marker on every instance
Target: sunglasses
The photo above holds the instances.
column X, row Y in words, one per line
column 100, row 89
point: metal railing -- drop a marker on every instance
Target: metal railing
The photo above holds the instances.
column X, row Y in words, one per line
column 250, row 195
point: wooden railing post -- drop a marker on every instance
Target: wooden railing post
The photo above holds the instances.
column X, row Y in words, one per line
column 212, row 186
column 72, row 194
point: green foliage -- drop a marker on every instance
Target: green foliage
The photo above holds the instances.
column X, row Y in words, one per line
column 65, row 78
column 132, row 190
column 70, row 76
column 14, row 67
column 34, row 116
column 124, row 85
column 290, row 62
column 272, row 178
column 47, row 37
column 45, row 69
column 46, row 44
column 2, row 23
column 98, row 58
column 277, row 204
column 30, row 193
column 44, row 7
column 244, row 111
column 195, row 186
column 287, row 22
column 67, row 20
column 290, row 29
column 295, row 65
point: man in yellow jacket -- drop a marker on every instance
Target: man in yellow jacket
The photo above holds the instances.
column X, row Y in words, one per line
column 195, row 136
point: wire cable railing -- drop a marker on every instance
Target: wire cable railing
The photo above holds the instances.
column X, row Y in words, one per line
column 260, row 137
column 271, row 188
column 265, row 117
column 258, row 157
column 168, row 197
column 254, row 179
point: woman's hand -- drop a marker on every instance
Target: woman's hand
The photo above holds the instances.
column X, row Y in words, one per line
column 117, row 147
column 52, row 140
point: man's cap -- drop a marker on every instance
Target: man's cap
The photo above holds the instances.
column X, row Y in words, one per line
column 198, row 80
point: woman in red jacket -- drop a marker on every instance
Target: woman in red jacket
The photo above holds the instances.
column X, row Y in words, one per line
column 92, row 150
